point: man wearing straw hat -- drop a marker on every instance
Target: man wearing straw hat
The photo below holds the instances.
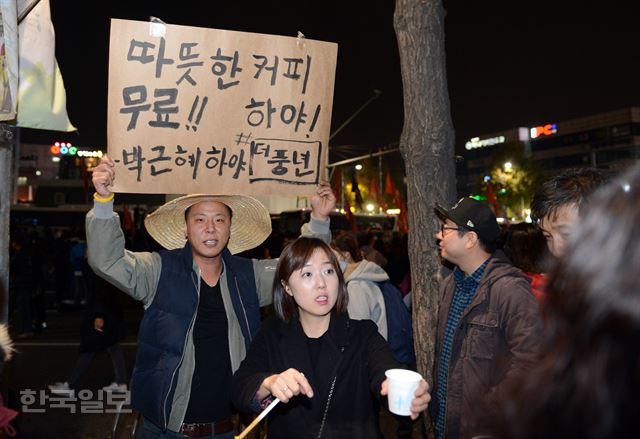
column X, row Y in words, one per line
column 202, row 304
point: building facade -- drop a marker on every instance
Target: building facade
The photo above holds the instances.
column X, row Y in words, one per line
column 608, row 141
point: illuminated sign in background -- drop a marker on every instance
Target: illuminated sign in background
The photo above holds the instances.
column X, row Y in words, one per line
column 66, row 148
column 477, row 143
column 543, row 130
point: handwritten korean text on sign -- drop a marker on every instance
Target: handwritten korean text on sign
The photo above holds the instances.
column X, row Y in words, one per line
column 195, row 110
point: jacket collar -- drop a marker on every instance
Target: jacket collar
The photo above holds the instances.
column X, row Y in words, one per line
column 498, row 267
column 294, row 342
column 338, row 331
column 186, row 254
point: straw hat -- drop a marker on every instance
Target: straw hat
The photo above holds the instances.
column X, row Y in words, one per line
column 250, row 225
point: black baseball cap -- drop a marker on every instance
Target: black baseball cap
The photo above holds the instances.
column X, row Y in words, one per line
column 473, row 215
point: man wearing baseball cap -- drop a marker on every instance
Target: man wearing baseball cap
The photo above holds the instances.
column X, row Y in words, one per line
column 489, row 323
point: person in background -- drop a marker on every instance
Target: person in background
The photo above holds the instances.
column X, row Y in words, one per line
column 525, row 246
column 587, row 384
column 78, row 260
column 371, row 247
column 326, row 369
column 21, row 282
column 102, row 330
column 489, row 324
column 202, row 303
column 365, row 298
column 63, row 273
column 398, row 265
column 556, row 205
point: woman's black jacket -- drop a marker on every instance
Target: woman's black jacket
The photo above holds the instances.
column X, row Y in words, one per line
column 352, row 351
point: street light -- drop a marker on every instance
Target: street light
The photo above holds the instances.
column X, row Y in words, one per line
column 508, row 166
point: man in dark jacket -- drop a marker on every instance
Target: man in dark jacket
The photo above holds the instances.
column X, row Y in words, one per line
column 489, row 323
column 202, row 303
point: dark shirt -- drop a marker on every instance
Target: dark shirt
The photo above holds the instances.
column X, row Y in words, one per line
column 315, row 346
column 211, row 385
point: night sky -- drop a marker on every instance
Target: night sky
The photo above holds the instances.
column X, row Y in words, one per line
column 509, row 63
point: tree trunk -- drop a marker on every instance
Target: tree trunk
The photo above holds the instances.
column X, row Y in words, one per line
column 427, row 147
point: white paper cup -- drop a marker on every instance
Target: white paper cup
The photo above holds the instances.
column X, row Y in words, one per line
column 402, row 385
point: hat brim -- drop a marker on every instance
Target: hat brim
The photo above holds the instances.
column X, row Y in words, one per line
column 444, row 215
column 250, row 225
column 441, row 212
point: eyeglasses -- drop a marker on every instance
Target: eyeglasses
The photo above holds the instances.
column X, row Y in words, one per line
column 444, row 227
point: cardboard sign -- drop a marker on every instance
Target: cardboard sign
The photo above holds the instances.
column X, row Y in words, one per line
column 195, row 110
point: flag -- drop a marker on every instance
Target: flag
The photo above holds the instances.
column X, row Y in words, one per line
column 373, row 190
column 42, row 101
column 336, row 186
column 355, row 189
column 389, row 187
column 492, row 200
column 403, row 218
column 8, row 59
column 335, row 182
column 377, row 195
column 128, row 224
column 349, row 215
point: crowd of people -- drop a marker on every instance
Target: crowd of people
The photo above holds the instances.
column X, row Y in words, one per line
column 537, row 329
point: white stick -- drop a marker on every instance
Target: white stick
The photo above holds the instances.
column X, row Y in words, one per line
column 257, row 420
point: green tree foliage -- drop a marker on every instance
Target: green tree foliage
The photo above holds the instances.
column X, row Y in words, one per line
column 512, row 185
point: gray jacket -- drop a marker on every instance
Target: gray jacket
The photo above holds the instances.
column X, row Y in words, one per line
column 138, row 273
column 365, row 298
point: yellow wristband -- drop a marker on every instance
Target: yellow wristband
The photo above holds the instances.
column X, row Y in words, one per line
column 100, row 199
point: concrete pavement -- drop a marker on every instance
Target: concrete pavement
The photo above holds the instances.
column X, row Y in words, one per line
column 49, row 357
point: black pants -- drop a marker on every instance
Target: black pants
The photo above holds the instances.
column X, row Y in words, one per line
column 84, row 361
